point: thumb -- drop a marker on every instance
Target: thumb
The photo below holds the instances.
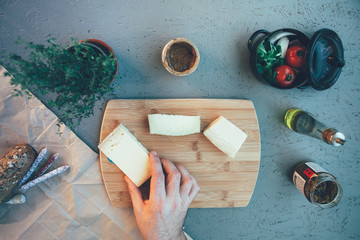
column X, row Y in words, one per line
column 135, row 194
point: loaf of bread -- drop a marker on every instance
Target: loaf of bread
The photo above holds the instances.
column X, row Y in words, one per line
column 13, row 166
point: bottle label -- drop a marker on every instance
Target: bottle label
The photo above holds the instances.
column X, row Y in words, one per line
column 316, row 168
column 302, row 175
column 308, row 172
column 299, row 182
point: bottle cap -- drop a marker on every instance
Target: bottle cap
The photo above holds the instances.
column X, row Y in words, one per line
column 337, row 139
column 333, row 137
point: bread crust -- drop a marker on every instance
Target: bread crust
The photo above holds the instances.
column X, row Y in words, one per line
column 13, row 166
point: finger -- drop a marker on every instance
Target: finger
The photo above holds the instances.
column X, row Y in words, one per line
column 173, row 177
column 186, row 181
column 157, row 183
column 135, row 194
column 194, row 190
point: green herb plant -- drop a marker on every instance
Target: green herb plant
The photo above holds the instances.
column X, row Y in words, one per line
column 73, row 77
column 268, row 58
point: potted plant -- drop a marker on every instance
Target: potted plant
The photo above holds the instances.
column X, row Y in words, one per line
column 73, row 77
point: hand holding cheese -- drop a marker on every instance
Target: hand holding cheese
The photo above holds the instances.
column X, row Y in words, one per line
column 173, row 125
column 128, row 154
column 162, row 215
column 225, row 136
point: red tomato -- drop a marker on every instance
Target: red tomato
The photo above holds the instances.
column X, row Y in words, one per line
column 284, row 76
column 295, row 56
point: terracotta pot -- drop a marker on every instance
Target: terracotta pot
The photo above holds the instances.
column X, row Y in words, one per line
column 104, row 49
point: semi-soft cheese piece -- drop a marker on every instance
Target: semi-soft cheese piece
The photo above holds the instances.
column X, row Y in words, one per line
column 225, row 136
column 173, row 125
column 128, row 154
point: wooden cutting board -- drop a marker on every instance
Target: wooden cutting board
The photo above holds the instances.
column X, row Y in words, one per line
column 223, row 181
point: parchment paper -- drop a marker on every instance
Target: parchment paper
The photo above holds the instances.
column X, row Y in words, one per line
column 73, row 205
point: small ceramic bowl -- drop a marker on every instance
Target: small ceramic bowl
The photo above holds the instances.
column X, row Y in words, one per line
column 180, row 57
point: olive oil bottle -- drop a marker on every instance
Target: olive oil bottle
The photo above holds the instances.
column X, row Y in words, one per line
column 303, row 122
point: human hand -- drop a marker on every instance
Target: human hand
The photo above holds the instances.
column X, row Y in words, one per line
column 162, row 216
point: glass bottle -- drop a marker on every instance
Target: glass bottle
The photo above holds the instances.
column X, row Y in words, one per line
column 303, row 122
column 317, row 185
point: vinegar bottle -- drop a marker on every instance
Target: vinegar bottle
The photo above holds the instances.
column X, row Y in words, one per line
column 304, row 123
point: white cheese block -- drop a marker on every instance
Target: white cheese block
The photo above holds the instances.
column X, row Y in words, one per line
column 225, row 136
column 128, row 154
column 173, row 125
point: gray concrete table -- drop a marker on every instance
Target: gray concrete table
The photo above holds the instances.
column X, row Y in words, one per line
column 137, row 30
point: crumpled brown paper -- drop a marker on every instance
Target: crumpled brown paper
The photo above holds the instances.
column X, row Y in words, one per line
column 73, row 205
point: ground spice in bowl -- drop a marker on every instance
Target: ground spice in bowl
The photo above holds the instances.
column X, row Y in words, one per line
column 180, row 57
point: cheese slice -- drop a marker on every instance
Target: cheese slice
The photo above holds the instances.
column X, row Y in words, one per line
column 128, row 154
column 225, row 136
column 173, row 125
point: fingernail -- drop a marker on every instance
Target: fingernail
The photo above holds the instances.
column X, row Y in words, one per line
column 154, row 153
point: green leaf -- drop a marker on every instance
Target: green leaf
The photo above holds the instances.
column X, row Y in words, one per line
column 268, row 58
column 76, row 76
